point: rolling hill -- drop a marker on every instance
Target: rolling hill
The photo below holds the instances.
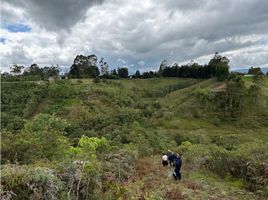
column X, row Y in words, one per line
column 110, row 135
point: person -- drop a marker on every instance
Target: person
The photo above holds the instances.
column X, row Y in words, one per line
column 164, row 160
column 177, row 168
column 171, row 158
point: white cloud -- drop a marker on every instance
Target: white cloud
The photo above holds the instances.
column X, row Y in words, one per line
column 141, row 63
column 130, row 32
column 121, row 61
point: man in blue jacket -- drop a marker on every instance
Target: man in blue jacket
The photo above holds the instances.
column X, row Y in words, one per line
column 177, row 167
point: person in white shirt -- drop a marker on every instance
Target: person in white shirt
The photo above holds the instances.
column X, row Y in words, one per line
column 164, row 160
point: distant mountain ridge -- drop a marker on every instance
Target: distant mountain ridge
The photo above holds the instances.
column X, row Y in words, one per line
column 245, row 70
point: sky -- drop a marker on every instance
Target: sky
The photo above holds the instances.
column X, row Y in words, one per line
column 135, row 34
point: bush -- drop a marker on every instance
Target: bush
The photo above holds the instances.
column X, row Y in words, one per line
column 119, row 165
column 96, row 80
column 42, row 138
column 229, row 142
column 11, row 122
column 60, row 90
column 79, row 81
column 195, row 137
column 196, row 156
column 77, row 176
column 30, row 183
column 18, row 100
column 247, row 161
column 31, row 106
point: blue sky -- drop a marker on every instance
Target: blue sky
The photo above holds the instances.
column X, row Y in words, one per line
column 15, row 28
column 2, row 40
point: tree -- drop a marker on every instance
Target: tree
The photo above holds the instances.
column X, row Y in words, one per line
column 87, row 147
column 86, row 155
column 112, row 75
column 222, row 71
column 103, row 67
column 220, row 64
column 162, row 66
column 6, row 74
column 16, row 69
column 235, row 96
column 255, row 71
column 196, row 70
column 149, row 74
column 122, row 72
column 113, row 72
column 75, row 71
column 89, row 67
column 33, row 70
column 185, row 71
column 84, row 66
column 53, row 70
column 137, row 74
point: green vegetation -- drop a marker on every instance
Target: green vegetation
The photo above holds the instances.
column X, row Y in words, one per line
column 102, row 138
column 18, row 101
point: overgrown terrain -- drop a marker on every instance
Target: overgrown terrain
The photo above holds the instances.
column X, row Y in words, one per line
column 82, row 139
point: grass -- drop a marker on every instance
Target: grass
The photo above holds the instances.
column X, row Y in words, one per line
column 153, row 82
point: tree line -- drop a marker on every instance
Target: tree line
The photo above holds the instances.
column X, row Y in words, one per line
column 90, row 67
column 33, row 72
column 217, row 67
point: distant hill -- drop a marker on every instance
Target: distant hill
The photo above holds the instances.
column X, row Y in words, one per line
column 245, row 70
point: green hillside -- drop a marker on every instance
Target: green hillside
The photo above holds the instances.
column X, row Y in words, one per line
column 82, row 139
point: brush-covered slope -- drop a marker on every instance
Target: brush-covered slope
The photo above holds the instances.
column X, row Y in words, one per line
column 103, row 140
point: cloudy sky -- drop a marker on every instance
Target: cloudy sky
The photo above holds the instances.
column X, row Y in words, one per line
column 133, row 33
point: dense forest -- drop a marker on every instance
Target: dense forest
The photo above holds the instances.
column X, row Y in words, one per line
column 98, row 134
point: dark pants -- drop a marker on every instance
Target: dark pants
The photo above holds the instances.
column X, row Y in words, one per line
column 164, row 163
column 177, row 175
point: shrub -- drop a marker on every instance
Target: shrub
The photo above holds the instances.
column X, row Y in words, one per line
column 63, row 90
column 19, row 99
column 30, row 183
column 79, row 81
column 96, row 80
column 11, row 122
column 228, row 142
column 119, row 165
column 195, row 137
column 42, row 138
column 247, row 161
